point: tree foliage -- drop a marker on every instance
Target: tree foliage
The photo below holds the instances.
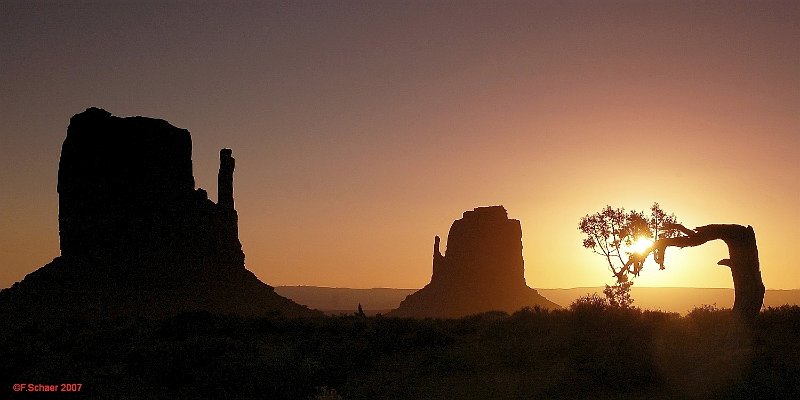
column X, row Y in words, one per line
column 612, row 233
column 619, row 294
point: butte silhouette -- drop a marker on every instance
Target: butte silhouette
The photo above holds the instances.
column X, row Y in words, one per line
column 482, row 270
column 136, row 237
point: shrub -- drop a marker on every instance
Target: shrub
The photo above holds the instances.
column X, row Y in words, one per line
column 589, row 302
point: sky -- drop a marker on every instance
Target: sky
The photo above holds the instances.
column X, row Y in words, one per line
column 362, row 129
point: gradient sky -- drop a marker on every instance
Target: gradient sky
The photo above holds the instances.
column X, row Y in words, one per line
column 363, row 129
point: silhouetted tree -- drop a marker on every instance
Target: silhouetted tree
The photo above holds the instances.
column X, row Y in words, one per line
column 612, row 233
column 743, row 262
column 618, row 235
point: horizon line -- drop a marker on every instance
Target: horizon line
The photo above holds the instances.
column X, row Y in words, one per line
column 537, row 288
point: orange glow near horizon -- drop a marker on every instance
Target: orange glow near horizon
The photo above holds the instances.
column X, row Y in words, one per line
column 360, row 131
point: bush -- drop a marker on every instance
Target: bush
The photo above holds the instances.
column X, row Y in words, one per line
column 590, row 350
column 590, row 302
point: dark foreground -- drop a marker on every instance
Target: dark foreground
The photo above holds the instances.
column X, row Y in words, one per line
column 587, row 351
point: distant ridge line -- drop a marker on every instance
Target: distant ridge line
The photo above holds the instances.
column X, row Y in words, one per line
column 336, row 300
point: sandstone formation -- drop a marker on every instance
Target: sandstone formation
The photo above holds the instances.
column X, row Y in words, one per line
column 136, row 237
column 482, row 270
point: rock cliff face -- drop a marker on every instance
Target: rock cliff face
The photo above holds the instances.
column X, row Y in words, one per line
column 126, row 190
column 136, row 236
column 482, row 270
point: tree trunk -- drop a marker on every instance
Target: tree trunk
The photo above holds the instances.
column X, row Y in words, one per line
column 743, row 261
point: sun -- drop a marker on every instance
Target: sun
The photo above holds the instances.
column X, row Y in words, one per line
column 641, row 245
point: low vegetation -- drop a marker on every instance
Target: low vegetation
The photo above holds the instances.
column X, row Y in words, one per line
column 591, row 350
